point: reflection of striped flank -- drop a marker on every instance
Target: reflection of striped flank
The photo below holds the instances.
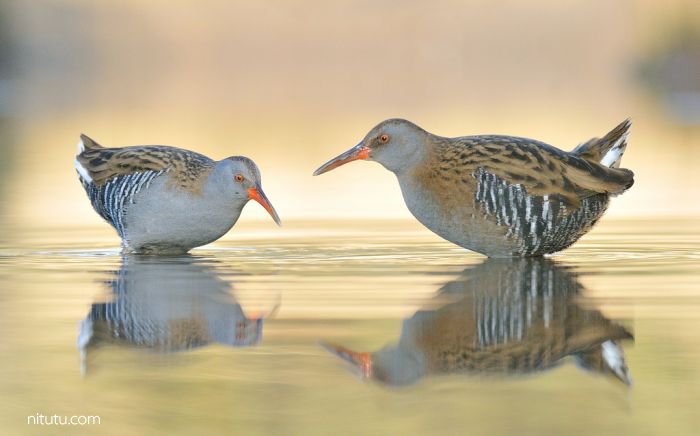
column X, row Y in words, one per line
column 505, row 314
column 118, row 316
column 120, row 323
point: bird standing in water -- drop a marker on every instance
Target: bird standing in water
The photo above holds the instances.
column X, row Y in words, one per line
column 164, row 199
column 502, row 196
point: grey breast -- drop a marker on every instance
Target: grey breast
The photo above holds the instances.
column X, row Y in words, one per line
column 539, row 224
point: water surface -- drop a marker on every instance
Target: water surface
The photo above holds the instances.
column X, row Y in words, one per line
column 353, row 328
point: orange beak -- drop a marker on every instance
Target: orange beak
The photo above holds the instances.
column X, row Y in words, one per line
column 363, row 361
column 356, row 153
column 258, row 195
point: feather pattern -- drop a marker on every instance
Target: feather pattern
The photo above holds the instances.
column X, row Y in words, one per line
column 186, row 167
column 539, row 168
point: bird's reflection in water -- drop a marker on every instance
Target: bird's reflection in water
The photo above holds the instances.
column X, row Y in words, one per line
column 506, row 317
column 167, row 305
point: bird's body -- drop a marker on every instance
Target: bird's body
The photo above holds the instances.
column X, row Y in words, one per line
column 164, row 199
column 470, row 194
column 499, row 195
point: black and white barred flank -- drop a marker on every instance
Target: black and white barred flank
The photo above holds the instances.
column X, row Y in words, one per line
column 541, row 224
column 111, row 199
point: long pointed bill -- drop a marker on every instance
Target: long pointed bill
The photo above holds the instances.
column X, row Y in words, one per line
column 356, row 153
column 362, row 361
column 258, row 195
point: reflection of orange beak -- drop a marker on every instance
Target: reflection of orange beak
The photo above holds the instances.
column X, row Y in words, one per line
column 356, row 153
column 363, row 361
column 258, row 195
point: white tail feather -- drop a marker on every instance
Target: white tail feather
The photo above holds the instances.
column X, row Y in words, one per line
column 613, row 156
column 84, row 174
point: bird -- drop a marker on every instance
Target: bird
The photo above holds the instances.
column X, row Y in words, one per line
column 167, row 200
column 501, row 196
column 504, row 317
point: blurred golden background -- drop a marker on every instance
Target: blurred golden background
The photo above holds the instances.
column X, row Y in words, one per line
column 292, row 83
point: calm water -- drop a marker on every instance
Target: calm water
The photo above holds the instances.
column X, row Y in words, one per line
column 258, row 333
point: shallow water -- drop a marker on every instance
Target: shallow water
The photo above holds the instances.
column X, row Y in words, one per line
column 229, row 339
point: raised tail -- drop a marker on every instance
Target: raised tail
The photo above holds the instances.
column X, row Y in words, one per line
column 607, row 150
column 86, row 143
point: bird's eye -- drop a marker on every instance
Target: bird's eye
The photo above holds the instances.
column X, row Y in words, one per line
column 384, row 138
column 239, row 178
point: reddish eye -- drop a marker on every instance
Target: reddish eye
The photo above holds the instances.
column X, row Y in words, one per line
column 239, row 178
column 384, row 138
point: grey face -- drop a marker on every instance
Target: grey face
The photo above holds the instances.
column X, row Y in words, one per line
column 396, row 144
column 240, row 178
column 243, row 174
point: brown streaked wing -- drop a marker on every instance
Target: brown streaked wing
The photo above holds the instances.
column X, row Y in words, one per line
column 540, row 168
column 185, row 166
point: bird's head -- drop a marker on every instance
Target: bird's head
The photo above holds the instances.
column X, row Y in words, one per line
column 396, row 144
column 241, row 179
